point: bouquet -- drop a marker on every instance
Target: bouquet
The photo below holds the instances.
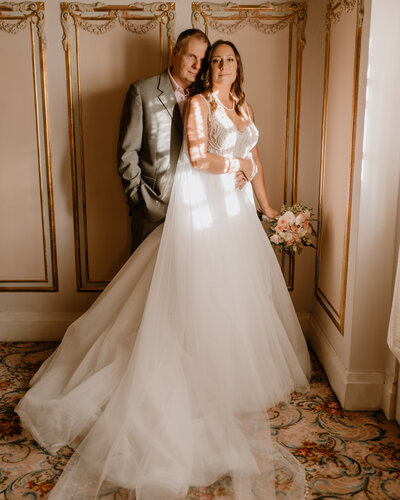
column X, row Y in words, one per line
column 291, row 231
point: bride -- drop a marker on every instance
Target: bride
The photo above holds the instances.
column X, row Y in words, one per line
column 164, row 382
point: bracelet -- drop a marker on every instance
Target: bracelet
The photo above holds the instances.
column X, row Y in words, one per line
column 233, row 166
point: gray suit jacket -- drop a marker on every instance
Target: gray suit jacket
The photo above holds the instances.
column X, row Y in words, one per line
column 149, row 143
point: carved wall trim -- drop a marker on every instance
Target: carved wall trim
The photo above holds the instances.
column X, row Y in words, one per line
column 15, row 17
column 98, row 19
column 269, row 18
column 83, row 15
column 334, row 11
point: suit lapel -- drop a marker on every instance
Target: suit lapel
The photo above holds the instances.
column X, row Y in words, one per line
column 168, row 100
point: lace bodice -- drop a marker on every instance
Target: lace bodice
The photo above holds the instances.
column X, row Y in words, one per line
column 225, row 139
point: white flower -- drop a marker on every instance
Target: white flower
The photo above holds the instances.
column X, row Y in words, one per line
column 276, row 239
column 290, row 217
column 300, row 219
column 288, row 236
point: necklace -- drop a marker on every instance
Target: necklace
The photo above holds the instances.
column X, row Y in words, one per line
column 225, row 107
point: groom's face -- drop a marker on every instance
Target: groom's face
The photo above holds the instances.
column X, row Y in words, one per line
column 186, row 62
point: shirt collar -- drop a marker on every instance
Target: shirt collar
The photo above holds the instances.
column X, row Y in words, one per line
column 176, row 87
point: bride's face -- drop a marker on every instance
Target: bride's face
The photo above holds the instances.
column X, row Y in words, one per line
column 223, row 65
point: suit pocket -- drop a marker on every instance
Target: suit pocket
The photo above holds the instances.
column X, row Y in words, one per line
column 151, row 183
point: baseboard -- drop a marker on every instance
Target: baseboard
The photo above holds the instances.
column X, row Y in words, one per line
column 355, row 390
column 328, row 358
column 29, row 326
column 389, row 397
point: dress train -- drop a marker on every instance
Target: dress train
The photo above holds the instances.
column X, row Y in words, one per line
column 164, row 382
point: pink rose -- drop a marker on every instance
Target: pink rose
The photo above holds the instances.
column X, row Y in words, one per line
column 282, row 223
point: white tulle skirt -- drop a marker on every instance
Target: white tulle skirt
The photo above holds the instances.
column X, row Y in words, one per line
column 163, row 383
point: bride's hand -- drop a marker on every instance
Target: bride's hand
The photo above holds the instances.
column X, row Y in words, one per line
column 240, row 180
column 246, row 167
column 270, row 212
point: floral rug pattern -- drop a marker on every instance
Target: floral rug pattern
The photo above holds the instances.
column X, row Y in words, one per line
column 346, row 454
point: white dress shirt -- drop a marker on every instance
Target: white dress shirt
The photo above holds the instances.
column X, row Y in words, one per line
column 181, row 95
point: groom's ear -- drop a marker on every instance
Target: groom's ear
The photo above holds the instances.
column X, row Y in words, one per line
column 173, row 55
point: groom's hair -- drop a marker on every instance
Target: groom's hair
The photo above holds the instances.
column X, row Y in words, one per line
column 181, row 40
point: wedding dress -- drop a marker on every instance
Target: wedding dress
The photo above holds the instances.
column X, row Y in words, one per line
column 164, row 382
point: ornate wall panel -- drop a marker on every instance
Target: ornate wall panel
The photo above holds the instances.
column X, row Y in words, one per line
column 107, row 47
column 344, row 19
column 27, row 250
column 270, row 39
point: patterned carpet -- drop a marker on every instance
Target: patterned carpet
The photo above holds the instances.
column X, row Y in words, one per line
column 348, row 455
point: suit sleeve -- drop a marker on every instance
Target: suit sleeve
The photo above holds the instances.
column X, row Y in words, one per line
column 129, row 143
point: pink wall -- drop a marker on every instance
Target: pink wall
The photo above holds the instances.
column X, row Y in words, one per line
column 37, row 246
column 107, row 64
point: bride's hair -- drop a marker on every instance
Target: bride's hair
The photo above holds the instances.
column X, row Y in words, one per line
column 204, row 83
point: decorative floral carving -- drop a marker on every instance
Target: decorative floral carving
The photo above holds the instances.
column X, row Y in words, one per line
column 228, row 28
column 13, row 28
column 138, row 29
column 82, row 14
column 335, row 9
column 360, row 13
column 40, row 25
column 268, row 29
column 349, row 5
column 25, row 10
column 66, row 25
column 243, row 16
column 170, row 23
column 96, row 29
column 113, row 17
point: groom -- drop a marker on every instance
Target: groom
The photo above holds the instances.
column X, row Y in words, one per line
column 151, row 134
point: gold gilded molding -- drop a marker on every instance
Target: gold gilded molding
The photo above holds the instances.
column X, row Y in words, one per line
column 15, row 17
column 22, row 13
column 156, row 15
column 334, row 11
column 269, row 18
column 98, row 19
